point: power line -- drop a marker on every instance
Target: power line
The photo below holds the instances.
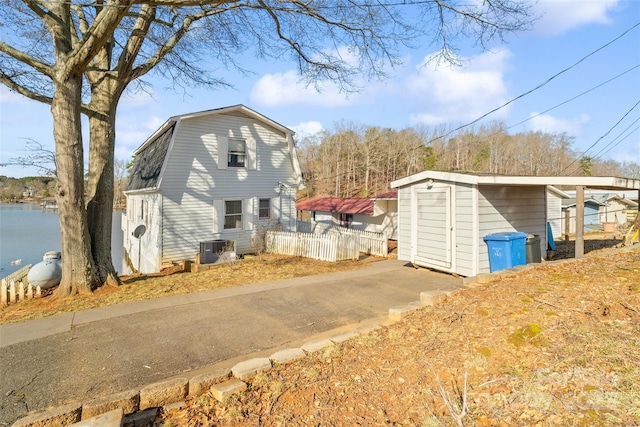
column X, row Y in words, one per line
column 575, row 97
column 606, row 148
column 603, row 136
column 539, row 86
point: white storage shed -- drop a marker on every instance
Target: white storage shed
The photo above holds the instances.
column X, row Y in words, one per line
column 443, row 216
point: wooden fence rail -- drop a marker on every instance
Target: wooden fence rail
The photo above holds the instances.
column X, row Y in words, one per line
column 18, row 275
column 371, row 243
column 329, row 247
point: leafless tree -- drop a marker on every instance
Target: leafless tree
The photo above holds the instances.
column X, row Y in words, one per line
column 53, row 48
column 38, row 156
column 384, row 155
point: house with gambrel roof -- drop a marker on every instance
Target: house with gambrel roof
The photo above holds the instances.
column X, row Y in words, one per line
column 215, row 175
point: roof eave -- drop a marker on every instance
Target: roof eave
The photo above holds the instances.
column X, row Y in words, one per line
column 611, row 183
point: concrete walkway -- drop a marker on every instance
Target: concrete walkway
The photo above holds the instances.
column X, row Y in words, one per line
column 76, row 356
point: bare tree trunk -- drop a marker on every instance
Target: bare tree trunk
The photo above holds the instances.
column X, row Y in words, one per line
column 78, row 268
column 100, row 184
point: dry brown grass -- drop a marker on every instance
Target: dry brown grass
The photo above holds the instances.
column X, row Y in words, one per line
column 264, row 268
column 553, row 346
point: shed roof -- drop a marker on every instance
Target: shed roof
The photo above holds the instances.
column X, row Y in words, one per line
column 351, row 205
column 603, row 182
column 605, row 197
column 561, row 194
column 390, row 195
column 570, row 202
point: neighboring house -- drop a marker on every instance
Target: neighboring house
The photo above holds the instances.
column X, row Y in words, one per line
column 221, row 174
column 378, row 214
column 443, row 216
column 615, row 207
column 591, row 214
column 554, row 210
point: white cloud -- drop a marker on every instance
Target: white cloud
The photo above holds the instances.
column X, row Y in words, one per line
column 9, row 97
column 131, row 98
column 558, row 17
column 131, row 132
column 307, row 129
column 452, row 94
column 551, row 124
column 288, row 89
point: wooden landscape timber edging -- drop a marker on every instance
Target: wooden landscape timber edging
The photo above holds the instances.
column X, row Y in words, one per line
column 324, row 247
column 371, row 243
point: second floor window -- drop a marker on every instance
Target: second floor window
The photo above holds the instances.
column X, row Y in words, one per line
column 237, row 153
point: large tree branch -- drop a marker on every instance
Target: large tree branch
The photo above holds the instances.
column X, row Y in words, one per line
column 139, row 33
column 168, row 47
column 97, row 35
column 16, row 87
column 184, row 3
column 37, row 65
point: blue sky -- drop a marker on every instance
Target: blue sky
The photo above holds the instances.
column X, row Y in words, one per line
column 420, row 92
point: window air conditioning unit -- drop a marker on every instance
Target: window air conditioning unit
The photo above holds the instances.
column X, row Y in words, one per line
column 214, row 251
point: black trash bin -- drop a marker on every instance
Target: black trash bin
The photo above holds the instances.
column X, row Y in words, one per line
column 533, row 249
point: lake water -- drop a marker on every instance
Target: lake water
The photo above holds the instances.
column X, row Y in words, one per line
column 27, row 232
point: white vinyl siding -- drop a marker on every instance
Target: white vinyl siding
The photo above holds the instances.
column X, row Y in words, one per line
column 554, row 214
column 404, row 223
column 510, row 208
column 196, row 182
column 464, row 229
column 475, row 212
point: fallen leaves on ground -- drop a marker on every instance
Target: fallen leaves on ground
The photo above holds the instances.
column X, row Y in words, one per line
column 556, row 345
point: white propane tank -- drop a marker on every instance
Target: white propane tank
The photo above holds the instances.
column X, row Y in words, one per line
column 46, row 273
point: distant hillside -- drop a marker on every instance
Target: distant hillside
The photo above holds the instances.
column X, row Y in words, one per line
column 29, row 188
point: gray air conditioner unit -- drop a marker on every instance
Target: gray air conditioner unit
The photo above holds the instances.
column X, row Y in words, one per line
column 214, row 251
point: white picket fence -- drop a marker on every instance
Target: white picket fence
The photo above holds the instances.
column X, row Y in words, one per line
column 324, row 247
column 15, row 288
column 14, row 292
column 371, row 243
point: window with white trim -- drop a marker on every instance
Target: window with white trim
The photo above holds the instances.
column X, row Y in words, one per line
column 232, row 214
column 236, row 153
column 264, row 209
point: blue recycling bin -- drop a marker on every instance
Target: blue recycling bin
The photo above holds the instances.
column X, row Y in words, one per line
column 506, row 250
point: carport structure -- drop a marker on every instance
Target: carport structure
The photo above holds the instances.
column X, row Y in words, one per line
column 443, row 216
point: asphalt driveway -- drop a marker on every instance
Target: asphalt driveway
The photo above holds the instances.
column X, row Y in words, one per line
column 77, row 356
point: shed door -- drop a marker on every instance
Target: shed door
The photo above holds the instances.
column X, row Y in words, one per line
column 433, row 236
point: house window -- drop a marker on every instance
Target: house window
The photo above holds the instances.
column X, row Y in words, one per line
column 232, row 214
column 237, row 153
column 346, row 220
column 263, row 210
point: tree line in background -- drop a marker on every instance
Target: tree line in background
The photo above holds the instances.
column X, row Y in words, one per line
column 355, row 160
column 36, row 188
column 359, row 161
